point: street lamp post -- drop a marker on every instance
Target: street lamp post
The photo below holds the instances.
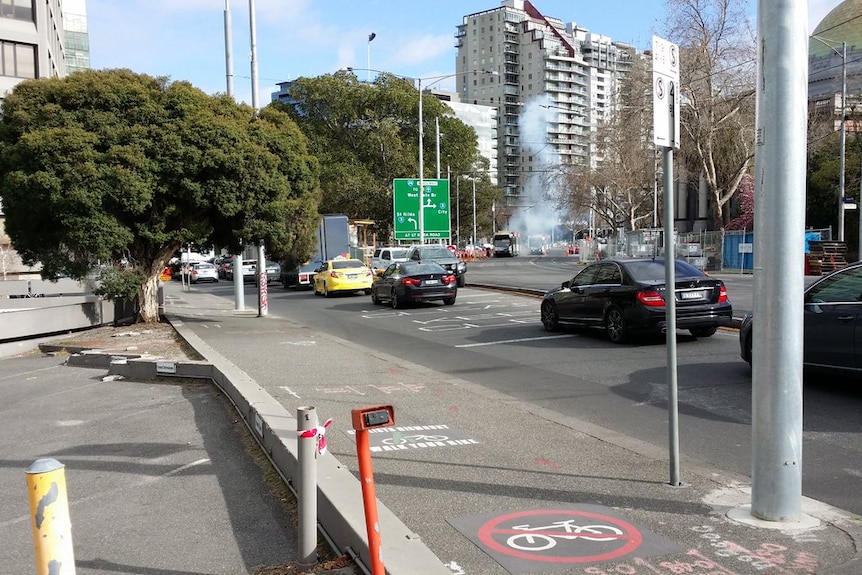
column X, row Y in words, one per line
column 843, row 136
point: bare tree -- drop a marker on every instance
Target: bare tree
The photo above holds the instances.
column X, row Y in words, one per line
column 717, row 77
column 619, row 188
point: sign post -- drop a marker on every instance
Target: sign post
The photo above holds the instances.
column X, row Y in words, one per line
column 434, row 221
column 665, row 73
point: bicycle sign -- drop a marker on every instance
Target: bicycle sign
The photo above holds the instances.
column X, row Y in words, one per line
column 560, row 536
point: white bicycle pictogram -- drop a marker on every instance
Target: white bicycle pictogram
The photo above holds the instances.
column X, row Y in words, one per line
column 402, row 439
column 530, row 540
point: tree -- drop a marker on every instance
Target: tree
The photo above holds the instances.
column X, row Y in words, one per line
column 717, row 61
column 104, row 167
column 366, row 135
column 745, row 219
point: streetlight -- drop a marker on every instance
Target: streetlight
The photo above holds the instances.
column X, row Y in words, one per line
column 843, row 54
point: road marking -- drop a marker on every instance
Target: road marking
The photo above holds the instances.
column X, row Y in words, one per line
column 519, row 340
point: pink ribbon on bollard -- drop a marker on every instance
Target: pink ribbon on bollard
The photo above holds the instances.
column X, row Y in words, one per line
column 320, row 433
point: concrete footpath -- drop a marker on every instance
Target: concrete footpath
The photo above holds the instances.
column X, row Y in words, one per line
column 490, row 485
column 161, row 476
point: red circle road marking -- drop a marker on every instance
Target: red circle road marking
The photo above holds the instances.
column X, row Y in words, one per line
column 631, row 536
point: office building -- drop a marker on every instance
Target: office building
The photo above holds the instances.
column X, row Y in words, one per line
column 77, row 44
column 514, row 57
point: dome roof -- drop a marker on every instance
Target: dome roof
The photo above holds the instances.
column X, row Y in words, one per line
column 842, row 24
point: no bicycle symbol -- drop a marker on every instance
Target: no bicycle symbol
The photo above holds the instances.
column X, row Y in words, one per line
column 560, row 536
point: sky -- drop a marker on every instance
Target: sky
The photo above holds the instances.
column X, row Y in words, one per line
column 185, row 39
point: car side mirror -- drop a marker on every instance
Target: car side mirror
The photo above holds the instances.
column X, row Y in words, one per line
column 565, row 284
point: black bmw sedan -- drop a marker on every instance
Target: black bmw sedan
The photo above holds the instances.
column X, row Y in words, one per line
column 625, row 297
column 405, row 282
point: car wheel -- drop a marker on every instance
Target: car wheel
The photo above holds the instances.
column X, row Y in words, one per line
column 449, row 301
column 703, row 331
column 374, row 299
column 550, row 316
column 462, row 280
column 326, row 291
column 393, row 300
column 368, row 291
column 615, row 325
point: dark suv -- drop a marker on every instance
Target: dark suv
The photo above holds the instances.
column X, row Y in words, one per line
column 443, row 256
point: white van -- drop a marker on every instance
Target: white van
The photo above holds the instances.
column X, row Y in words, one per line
column 385, row 256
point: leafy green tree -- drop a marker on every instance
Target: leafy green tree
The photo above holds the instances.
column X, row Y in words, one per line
column 367, row 134
column 112, row 166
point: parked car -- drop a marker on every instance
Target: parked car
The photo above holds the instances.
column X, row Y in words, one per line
column 342, row 275
column 832, row 322
column 442, row 256
column 385, row 256
column 405, row 282
column 301, row 277
column 624, row 297
column 203, row 272
column 273, row 272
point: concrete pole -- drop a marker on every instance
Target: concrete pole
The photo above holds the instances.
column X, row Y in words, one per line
column 253, row 28
column 306, row 493
column 262, row 287
column 239, row 294
column 780, row 163
column 228, row 48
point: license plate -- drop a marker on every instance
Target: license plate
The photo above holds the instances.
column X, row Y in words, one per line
column 351, row 276
column 691, row 295
column 431, row 282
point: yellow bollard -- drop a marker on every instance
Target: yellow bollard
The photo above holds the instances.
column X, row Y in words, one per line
column 49, row 518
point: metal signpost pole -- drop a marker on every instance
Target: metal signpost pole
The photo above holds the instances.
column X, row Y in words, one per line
column 666, row 135
column 421, row 172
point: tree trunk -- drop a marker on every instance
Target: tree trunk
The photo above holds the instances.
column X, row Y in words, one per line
column 148, row 300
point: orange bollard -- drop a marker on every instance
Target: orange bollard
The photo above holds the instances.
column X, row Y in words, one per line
column 363, row 419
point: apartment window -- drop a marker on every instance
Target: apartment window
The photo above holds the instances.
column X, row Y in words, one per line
column 17, row 60
column 17, row 9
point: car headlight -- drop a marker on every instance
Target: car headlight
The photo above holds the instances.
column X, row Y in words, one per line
column 462, row 266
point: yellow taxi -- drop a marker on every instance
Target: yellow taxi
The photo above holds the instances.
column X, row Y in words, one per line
column 342, row 275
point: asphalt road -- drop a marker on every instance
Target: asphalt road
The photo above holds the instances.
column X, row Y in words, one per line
column 495, row 340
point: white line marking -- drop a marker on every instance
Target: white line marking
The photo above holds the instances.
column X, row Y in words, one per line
column 519, row 340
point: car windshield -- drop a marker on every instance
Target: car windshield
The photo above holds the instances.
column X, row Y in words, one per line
column 435, row 252
column 653, row 270
column 346, row 264
column 426, row 268
column 399, row 252
column 204, row 266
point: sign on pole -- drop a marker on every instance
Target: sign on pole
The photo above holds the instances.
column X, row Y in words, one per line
column 665, row 93
column 435, row 217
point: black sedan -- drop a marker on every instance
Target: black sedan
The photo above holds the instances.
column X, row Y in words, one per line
column 628, row 296
column 832, row 328
column 405, row 282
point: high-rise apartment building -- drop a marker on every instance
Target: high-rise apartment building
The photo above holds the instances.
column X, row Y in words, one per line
column 514, row 57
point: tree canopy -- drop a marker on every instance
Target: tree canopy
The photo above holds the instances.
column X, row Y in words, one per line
column 367, row 134
column 113, row 166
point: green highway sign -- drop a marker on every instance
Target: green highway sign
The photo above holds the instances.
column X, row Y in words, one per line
column 436, row 218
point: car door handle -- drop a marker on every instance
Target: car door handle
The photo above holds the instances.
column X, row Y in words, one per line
column 845, row 317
